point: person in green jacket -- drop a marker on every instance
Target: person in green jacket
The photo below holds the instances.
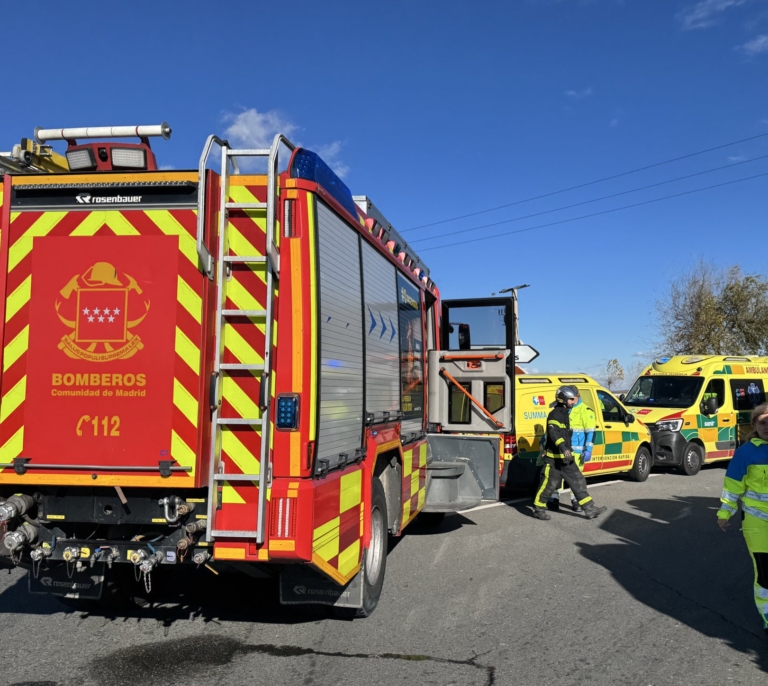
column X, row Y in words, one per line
column 746, row 480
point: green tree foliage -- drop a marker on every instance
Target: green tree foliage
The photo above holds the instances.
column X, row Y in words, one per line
column 715, row 311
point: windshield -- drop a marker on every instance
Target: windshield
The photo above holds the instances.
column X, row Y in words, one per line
column 664, row 391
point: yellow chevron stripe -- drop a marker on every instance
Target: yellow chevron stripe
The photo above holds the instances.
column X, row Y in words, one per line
column 170, row 226
column 42, row 227
column 230, row 496
column 188, row 351
column 236, row 397
column 13, row 446
column 239, row 347
column 243, row 299
column 245, row 460
column 182, row 453
column 118, row 224
column 349, row 557
column 189, row 300
column 13, row 398
column 18, row 298
column 16, row 348
column 185, row 401
column 242, row 246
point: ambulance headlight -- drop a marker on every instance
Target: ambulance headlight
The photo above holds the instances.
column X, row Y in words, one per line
column 129, row 158
column 287, row 412
column 669, row 425
column 81, row 159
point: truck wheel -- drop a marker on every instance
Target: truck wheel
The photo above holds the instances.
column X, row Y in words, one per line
column 431, row 518
column 641, row 467
column 693, row 458
column 375, row 559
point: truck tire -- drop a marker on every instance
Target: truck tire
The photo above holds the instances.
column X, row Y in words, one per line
column 693, row 459
column 375, row 558
column 641, row 467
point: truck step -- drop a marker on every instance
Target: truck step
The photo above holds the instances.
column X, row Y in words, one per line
column 238, row 420
column 244, row 313
column 230, row 366
column 245, row 259
column 248, row 153
column 246, row 205
column 234, row 534
column 236, row 477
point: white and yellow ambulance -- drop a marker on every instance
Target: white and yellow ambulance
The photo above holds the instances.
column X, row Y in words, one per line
column 698, row 407
column 622, row 443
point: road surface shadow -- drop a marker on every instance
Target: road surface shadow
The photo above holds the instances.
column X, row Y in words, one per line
column 674, row 559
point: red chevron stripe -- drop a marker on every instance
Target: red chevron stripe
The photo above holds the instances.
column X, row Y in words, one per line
column 12, row 424
column 21, row 224
column 17, row 323
column 20, row 272
column 188, row 219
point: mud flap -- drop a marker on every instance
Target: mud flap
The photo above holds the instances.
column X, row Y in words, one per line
column 302, row 585
column 87, row 584
column 451, row 487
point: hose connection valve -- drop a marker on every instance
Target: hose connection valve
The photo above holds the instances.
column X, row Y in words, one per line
column 15, row 506
column 19, row 539
column 71, row 553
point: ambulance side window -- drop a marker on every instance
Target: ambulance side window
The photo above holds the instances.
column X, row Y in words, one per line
column 715, row 389
column 747, row 394
column 610, row 408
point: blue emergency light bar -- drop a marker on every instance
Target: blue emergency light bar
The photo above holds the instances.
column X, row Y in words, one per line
column 309, row 166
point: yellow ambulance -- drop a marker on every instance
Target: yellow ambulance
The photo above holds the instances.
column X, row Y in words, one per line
column 698, row 407
column 622, row 443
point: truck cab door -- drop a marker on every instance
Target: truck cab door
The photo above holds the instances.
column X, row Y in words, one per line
column 470, row 401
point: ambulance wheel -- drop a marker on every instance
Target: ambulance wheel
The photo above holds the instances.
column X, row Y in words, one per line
column 431, row 518
column 375, row 558
column 641, row 467
column 693, row 458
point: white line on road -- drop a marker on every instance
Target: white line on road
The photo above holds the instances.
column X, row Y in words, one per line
column 522, row 500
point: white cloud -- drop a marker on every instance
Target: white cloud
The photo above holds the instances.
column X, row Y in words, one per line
column 640, row 353
column 754, row 46
column 703, row 13
column 733, row 159
column 330, row 153
column 166, row 167
column 253, row 129
column 580, row 95
column 614, row 122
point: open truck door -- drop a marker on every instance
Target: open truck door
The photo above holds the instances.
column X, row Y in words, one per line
column 471, row 402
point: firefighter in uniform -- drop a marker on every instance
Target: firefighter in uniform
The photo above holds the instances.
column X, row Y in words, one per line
column 582, row 420
column 559, row 462
column 746, row 479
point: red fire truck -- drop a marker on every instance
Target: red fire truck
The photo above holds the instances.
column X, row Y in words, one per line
column 222, row 368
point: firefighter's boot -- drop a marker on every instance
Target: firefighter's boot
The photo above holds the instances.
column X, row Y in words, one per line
column 575, row 505
column 591, row 510
column 554, row 504
column 541, row 513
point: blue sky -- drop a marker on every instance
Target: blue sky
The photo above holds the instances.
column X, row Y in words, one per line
column 438, row 109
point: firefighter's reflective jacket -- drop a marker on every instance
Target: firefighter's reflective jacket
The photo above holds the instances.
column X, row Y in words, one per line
column 558, row 431
column 583, row 422
column 747, row 479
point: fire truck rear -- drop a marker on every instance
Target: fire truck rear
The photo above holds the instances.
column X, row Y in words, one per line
column 214, row 368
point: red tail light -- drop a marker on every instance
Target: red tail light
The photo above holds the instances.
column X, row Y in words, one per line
column 282, row 518
column 510, row 444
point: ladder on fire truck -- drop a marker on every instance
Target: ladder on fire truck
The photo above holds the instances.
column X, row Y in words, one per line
column 217, row 269
column 30, row 157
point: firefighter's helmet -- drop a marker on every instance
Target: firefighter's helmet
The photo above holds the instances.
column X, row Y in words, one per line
column 566, row 393
column 101, row 274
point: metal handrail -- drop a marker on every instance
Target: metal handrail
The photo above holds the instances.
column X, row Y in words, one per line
column 203, row 252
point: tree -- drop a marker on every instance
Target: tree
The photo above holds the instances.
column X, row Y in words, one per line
column 714, row 311
column 612, row 373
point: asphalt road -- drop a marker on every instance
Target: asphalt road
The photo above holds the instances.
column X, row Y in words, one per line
column 650, row 594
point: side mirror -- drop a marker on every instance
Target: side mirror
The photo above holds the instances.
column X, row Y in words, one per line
column 465, row 342
column 629, row 419
column 709, row 406
column 621, row 397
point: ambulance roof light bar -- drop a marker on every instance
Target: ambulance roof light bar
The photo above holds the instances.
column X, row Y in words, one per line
column 71, row 134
